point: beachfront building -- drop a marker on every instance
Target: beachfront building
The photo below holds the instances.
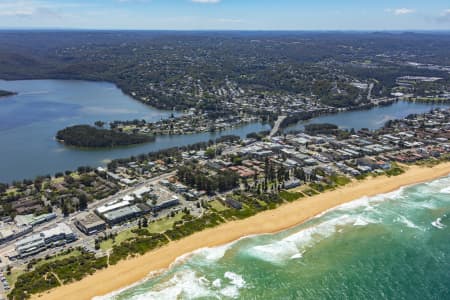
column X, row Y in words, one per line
column 124, row 214
column 165, row 204
column 59, row 235
column 89, row 223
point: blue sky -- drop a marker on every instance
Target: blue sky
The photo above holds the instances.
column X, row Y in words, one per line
column 227, row 14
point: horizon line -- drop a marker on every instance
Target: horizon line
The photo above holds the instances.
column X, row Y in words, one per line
column 219, row 30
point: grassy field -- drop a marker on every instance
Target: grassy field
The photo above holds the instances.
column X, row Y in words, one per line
column 395, row 170
column 290, row 196
column 58, row 257
column 340, row 180
column 262, row 203
column 124, row 235
column 156, row 227
column 164, row 224
column 217, row 205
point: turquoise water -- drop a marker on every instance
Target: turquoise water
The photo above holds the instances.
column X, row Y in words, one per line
column 391, row 246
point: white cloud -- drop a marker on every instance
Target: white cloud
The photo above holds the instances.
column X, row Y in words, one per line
column 17, row 9
column 401, row 11
column 444, row 17
column 28, row 8
column 206, row 1
column 228, row 20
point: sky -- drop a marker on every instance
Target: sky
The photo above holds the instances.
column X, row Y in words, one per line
column 227, row 14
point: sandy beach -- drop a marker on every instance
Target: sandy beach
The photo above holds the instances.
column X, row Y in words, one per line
column 130, row 271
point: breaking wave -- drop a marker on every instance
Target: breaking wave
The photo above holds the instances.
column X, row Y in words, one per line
column 215, row 273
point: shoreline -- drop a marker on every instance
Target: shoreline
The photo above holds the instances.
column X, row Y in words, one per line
column 129, row 272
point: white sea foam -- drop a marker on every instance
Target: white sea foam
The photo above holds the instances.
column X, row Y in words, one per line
column 445, row 190
column 235, row 279
column 186, row 284
column 236, row 283
column 358, row 203
column 420, row 205
column 441, row 182
column 388, row 196
column 407, row 222
column 438, row 224
column 367, row 203
column 363, row 221
column 214, row 253
column 183, row 284
column 217, row 283
column 356, row 213
column 230, row 291
column 275, row 252
column 295, row 244
column 297, row 256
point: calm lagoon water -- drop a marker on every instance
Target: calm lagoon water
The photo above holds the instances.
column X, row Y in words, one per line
column 391, row 246
column 373, row 118
column 30, row 120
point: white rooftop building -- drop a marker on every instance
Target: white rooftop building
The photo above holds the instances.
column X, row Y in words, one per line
column 113, row 205
column 58, row 235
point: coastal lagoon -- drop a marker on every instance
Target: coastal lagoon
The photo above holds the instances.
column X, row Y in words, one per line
column 30, row 120
column 390, row 246
column 373, row 118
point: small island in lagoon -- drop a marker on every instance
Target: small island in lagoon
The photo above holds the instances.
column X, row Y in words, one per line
column 87, row 136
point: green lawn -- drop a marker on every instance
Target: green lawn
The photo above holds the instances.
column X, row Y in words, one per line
column 157, row 227
column 164, row 224
column 395, row 170
column 122, row 236
column 310, row 192
column 262, row 203
column 58, row 257
column 340, row 180
column 290, row 196
column 217, row 205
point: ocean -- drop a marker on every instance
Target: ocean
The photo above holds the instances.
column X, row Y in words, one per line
column 390, row 246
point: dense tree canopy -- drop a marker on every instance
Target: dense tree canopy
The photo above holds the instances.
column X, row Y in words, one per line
column 92, row 137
